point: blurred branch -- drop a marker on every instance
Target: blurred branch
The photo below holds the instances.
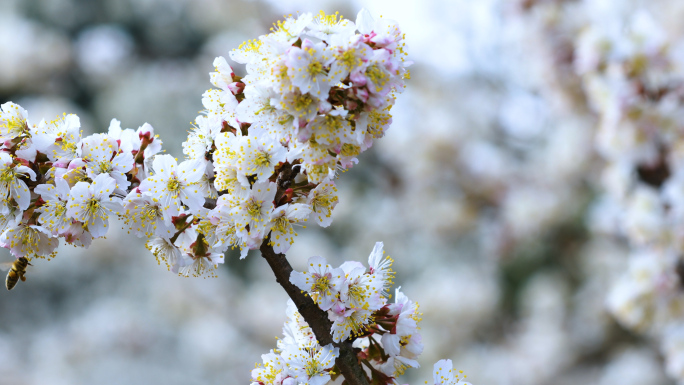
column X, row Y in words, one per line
column 317, row 319
column 209, row 203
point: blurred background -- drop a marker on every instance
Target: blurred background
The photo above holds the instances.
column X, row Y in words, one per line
column 480, row 191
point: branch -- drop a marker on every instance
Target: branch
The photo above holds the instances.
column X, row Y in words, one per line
column 209, row 203
column 317, row 319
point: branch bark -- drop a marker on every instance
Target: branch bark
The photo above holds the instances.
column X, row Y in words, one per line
column 347, row 362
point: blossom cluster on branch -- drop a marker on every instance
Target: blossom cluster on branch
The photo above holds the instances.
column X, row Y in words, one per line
column 261, row 160
column 316, row 95
column 384, row 335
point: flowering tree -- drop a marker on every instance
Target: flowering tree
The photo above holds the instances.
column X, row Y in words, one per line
column 627, row 61
column 631, row 68
column 261, row 160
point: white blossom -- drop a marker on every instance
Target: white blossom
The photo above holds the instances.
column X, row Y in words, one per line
column 174, row 185
column 13, row 121
column 321, row 279
column 252, row 213
column 101, row 155
column 26, row 240
column 323, row 200
column 11, row 186
column 282, row 220
column 145, row 217
column 311, row 365
column 92, row 203
column 53, row 213
column 444, row 374
column 168, row 253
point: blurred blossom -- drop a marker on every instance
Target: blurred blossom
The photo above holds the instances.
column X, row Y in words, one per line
column 30, row 53
column 101, row 51
column 633, row 367
column 522, row 116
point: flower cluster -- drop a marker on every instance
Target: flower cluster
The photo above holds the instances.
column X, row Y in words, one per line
column 299, row 357
column 260, row 160
column 56, row 184
column 356, row 301
column 268, row 145
column 445, row 374
column 349, row 294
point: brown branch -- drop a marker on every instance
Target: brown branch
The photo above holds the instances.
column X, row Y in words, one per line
column 347, row 362
column 209, row 203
